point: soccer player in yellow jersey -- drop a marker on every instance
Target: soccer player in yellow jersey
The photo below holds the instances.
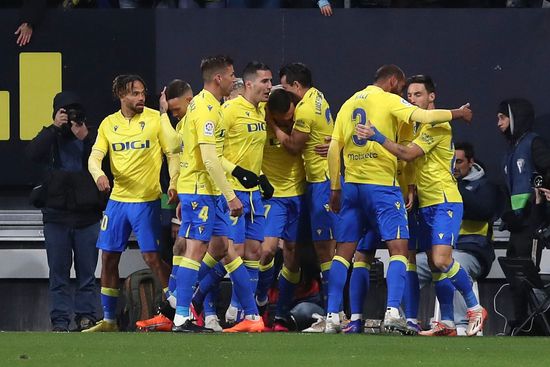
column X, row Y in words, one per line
column 175, row 98
column 135, row 138
column 244, row 140
column 440, row 207
column 283, row 211
column 312, row 125
column 371, row 192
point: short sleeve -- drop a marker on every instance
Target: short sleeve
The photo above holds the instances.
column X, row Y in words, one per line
column 302, row 122
column 101, row 142
column 429, row 137
column 400, row 108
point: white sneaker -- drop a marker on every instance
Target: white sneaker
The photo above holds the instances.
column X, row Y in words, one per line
column 332, row 324
column 212, row 322
column 318, row 326
column 394, row 322
column 231, row 314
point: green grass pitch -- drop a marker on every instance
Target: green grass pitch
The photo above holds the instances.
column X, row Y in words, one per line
column 269, row 349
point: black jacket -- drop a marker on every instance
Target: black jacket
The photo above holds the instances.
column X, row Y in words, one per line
column 480, row 199
column 71, row 197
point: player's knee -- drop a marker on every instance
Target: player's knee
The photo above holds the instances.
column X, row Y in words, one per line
column 442, row 263
column 152, row 260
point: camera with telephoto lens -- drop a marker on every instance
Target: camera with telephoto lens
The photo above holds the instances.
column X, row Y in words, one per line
column 76, row 115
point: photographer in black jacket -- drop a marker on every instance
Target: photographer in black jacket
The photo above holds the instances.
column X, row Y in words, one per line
column 72, row 207
column 527, row 153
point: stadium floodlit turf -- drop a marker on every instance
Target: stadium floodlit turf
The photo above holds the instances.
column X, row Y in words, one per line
column 268, row 349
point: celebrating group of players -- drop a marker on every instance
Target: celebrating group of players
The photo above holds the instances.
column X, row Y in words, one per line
column 246, row 171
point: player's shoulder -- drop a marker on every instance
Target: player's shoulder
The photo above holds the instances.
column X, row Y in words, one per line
column 150, row 114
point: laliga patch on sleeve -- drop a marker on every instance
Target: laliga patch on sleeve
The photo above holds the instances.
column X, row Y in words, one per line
column 209, row 128
column 406, row 103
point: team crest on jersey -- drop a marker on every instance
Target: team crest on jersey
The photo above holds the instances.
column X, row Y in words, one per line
column 520, row 163
column 115, row 128
column 209, row 128
column 209, row 107
column 142, row 124
column 194, row 205
column 397, row 205
column 450, row 213
column 427, row 138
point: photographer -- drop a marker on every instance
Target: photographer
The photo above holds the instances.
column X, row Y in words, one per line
column 527, row 154
column 71, row 206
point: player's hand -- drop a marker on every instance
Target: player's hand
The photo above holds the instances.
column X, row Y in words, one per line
column 103, row 184
column 163, row 103
column 364, row 131
column 172, row 196
column 467, row 113
column 24, row 34
column 322, row 149
column 60, row 117
column 178, row 211
column 235, row 207
column 334, row 203
column 326, row 10
column 545, row 192
column 79, row 130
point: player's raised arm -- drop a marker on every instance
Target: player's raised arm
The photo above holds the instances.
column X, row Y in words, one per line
column 441, row 116
column 294, row 142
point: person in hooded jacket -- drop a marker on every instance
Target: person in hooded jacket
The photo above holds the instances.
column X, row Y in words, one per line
column 527, row 154
column 71, row 207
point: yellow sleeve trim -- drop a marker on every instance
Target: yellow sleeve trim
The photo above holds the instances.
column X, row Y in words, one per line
column 431, row 116
column 169, row 139
column 173, row 161
column 214, row 168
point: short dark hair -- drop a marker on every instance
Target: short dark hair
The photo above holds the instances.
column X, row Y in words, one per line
column 252, row 68
column 468, row 149
column 177, row 88
column 123, row 84
column 279, row 101
column 297, row 72
column 214, row 64
column 422, row 79
column 386, row 71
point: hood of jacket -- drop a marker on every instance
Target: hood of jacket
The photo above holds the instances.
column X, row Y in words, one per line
column 521, row 114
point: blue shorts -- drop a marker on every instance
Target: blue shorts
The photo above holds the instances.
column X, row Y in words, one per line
column 439, row 224
column 202, row 217
column 380, row 207
column 322, row 219
column 120, row 219
column 370, row 241
column 250, row 225
column 282, row 216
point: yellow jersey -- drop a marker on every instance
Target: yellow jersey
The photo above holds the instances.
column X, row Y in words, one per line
column 245, row 134
column 135, row 148
column 434, row 170
column 284, row 171
column 405, row 170
column 200, row 126
column 312, row 116
column 386, row 111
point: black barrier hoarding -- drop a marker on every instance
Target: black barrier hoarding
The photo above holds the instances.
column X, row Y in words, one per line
column 477, row 56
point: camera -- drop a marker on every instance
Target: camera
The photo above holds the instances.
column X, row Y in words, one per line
column 76, row 115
